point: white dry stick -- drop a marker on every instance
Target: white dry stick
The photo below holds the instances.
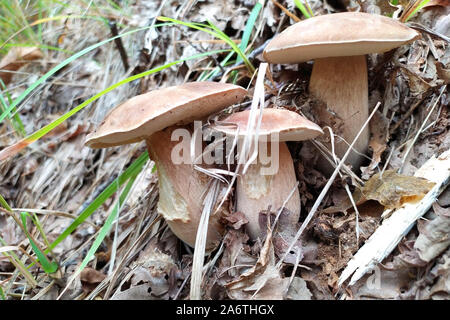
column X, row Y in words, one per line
column 394, row 228
column 8, row 248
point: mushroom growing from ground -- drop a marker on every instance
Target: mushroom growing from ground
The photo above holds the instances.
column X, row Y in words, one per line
column 338, row 43
column 256, row 192
column 153, row 117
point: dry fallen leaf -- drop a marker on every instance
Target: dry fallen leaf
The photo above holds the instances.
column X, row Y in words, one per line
column 346, row 204
column 298, row 290
column 90, row 278
column 139, row 292
column 417, row 85
column 235, row 220
column 442, row 72
column 261, row 282
column 151, row 278
column 434, row 234
column 16, row 58
column 391, row 191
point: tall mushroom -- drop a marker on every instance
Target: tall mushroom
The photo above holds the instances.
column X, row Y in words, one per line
column 256, row 192
column 153, row 117
column 338, row 43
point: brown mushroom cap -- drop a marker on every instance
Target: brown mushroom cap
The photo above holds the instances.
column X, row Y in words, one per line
column 335, row 35
column 145, row 114
column 289, row 125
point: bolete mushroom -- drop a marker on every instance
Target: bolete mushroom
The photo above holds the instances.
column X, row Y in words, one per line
column 153, row 117
column 255, row 191
column 338, row 43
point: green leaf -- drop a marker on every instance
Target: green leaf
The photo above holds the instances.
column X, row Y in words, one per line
column 247, row 33
column 16, row 121
column 249, row 27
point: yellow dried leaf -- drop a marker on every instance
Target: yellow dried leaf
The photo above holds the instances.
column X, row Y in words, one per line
column 393, row 189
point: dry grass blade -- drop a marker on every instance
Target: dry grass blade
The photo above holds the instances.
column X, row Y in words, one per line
column 250, row 142
column 200, row 241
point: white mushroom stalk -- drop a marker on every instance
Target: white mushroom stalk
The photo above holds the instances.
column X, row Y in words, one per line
column 341, row 82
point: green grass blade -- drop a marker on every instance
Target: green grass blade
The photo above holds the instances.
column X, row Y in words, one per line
column 4, row 203
column 38, row 225
column 420, row 6
column 210, row 74
column 48, row 266
column 234, row 46
column 13, row 258
column 16, row 121
column 131, row 171
column 249, row 27
column 247, row 33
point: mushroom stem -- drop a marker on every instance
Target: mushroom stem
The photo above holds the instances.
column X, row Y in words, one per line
column 341, row 83
column 256, row 192
column 181, row 190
